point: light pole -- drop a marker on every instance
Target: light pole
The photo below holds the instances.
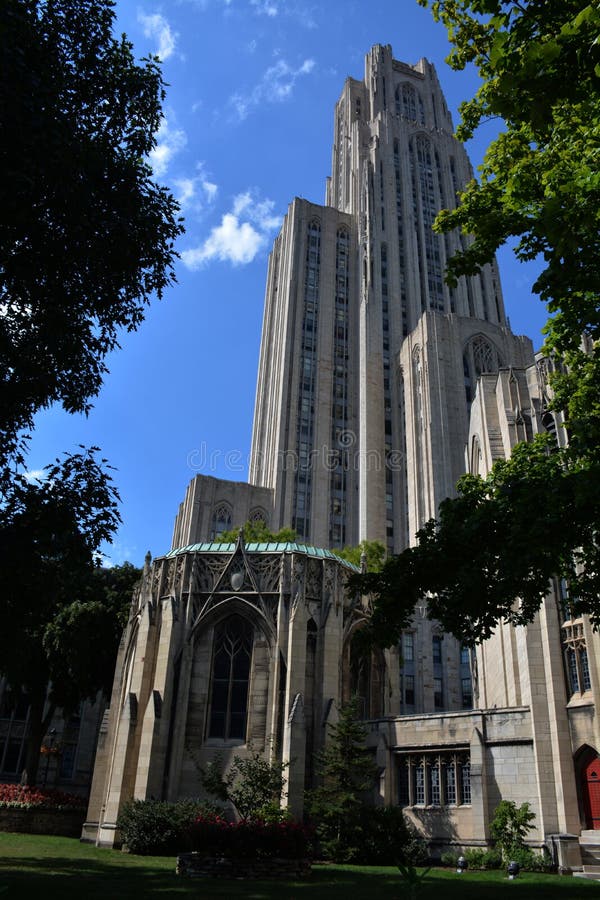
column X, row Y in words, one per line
column 48, row 749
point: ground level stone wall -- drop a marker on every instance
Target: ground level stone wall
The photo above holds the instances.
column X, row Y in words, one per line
column 64, row 823
column 195, row 865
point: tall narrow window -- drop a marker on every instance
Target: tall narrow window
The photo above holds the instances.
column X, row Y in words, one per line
column 450, row 781
column 573, row 673
column 574, row 642
column 465, row 775
column 306, row 392
column 420, row 783
column 232, row 653
column 339, row 459
column 434, row 783
column 221, row 520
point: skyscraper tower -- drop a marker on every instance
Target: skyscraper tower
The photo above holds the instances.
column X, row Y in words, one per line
column 368, row 359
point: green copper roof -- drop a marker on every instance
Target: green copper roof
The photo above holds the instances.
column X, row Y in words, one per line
column 267, row 547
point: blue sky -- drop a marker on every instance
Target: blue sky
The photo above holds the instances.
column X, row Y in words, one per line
column 248, row 126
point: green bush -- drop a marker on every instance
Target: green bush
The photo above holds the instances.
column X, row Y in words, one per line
column 483, row 859
column 449, row 859
column 530, row 861
column 375, row 835
column 157, row 828
column 388, row 839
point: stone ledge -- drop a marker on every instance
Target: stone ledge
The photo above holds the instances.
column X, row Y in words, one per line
column 195, row 865
column 60, row 822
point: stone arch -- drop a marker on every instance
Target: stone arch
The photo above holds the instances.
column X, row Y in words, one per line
column 587, row 768
column 409, row 103
column 228, row 706
column 258, row 514
column 480, row 357
column 363, row 675
column 221, row 519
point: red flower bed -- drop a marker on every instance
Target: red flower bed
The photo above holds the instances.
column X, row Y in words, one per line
column 214, row 836
column 18, row 796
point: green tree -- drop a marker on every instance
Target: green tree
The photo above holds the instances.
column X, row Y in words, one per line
column 98, row 616
column 494, row 547
column 373, row 552
column 86, row 239
column 86, row 235
column 510, row 826
column 347, row 771
column 253, row 785
column 54, row 611
column 256, row 532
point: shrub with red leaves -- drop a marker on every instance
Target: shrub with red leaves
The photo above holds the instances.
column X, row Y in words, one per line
column 214, row 836
column 22, row 797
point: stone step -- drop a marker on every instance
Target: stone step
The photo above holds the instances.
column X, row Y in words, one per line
column 590, row 836
column 591, row 876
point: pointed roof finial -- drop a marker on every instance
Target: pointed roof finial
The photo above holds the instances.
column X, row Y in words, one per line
column 240, row 540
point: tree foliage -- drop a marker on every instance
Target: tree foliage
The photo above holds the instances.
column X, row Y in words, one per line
column 257, row 532
column 510, row 826
column 347, row 771
column 539, row 62
column 373, row 553
column 86, row 235
column 56, row 605
column 493, row 549
column 253, row 785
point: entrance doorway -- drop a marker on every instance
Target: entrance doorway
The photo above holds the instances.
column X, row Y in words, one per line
column 590, row 790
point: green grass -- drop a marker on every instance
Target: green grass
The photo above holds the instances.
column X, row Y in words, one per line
column 50, row 868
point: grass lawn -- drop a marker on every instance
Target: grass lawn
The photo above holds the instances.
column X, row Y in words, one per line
column 50, row 868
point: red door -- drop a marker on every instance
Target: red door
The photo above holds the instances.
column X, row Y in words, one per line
column 591, row 793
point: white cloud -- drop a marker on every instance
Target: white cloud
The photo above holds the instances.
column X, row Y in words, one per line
column 258, row 211
column 196, row 191
column 265, row 7
column 243, row 232
column 117, row 552
column 35, row 475
column 170, row 140
column 155, row 26
column 276, row 85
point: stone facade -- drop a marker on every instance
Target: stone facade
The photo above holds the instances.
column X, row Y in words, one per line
column 229, row 650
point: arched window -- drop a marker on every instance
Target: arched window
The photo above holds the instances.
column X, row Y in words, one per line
column 409, row 103
column 480, row 357
column 221, row 520
column 232, row 654
column 258, row 515
column 485, row 358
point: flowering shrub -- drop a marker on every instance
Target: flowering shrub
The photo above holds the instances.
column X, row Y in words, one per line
column 18, row 796
column 214, row 836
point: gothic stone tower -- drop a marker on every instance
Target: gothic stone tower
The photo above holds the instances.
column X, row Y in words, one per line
column 368, row 359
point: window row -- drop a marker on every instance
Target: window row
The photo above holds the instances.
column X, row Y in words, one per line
column 434, row 779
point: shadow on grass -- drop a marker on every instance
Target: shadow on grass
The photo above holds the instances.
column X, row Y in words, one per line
column 133, row 877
